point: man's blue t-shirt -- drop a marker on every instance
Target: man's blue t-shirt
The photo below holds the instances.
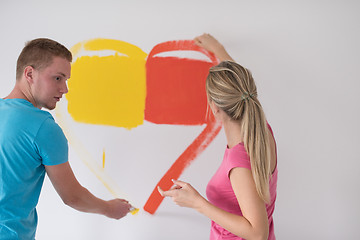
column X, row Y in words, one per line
column 29, row 139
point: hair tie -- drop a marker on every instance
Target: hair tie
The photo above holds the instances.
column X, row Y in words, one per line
column 246, row 96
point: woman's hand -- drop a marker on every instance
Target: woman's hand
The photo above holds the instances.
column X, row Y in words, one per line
column 209, row 43
column 184, row 195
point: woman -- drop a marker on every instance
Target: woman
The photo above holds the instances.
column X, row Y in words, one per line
column 242, row 192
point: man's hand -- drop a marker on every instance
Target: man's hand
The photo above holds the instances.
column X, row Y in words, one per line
column 118, row 208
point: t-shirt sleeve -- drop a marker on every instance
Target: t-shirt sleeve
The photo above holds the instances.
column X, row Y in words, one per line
column 238, row 158
column 51, row 143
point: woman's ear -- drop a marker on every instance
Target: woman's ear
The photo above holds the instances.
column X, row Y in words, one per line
column 215, row 109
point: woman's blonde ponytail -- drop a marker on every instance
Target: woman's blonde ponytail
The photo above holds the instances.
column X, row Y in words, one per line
column 233, row 89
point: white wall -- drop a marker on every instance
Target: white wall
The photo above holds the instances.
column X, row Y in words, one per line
column 304, row 56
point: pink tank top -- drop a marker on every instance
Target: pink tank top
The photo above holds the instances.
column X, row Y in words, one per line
column 220, row 193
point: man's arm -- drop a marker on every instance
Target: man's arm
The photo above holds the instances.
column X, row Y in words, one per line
column 79, row 198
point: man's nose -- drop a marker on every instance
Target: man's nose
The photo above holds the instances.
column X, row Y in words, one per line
column 64, row 88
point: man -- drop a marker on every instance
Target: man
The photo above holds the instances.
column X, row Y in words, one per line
column 31, row 143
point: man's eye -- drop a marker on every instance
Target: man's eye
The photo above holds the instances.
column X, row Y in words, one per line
column 57, row 78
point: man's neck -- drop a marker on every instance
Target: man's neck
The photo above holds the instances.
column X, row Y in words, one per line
column 20, row 92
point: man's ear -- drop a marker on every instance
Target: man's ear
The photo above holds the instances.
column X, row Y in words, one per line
column 28, row 74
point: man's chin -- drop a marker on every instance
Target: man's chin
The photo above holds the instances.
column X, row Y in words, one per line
column 50, row 107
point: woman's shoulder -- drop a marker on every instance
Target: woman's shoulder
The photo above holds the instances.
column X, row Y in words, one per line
column 238, row 157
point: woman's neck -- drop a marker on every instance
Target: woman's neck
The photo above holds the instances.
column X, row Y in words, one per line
column 233, row 132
